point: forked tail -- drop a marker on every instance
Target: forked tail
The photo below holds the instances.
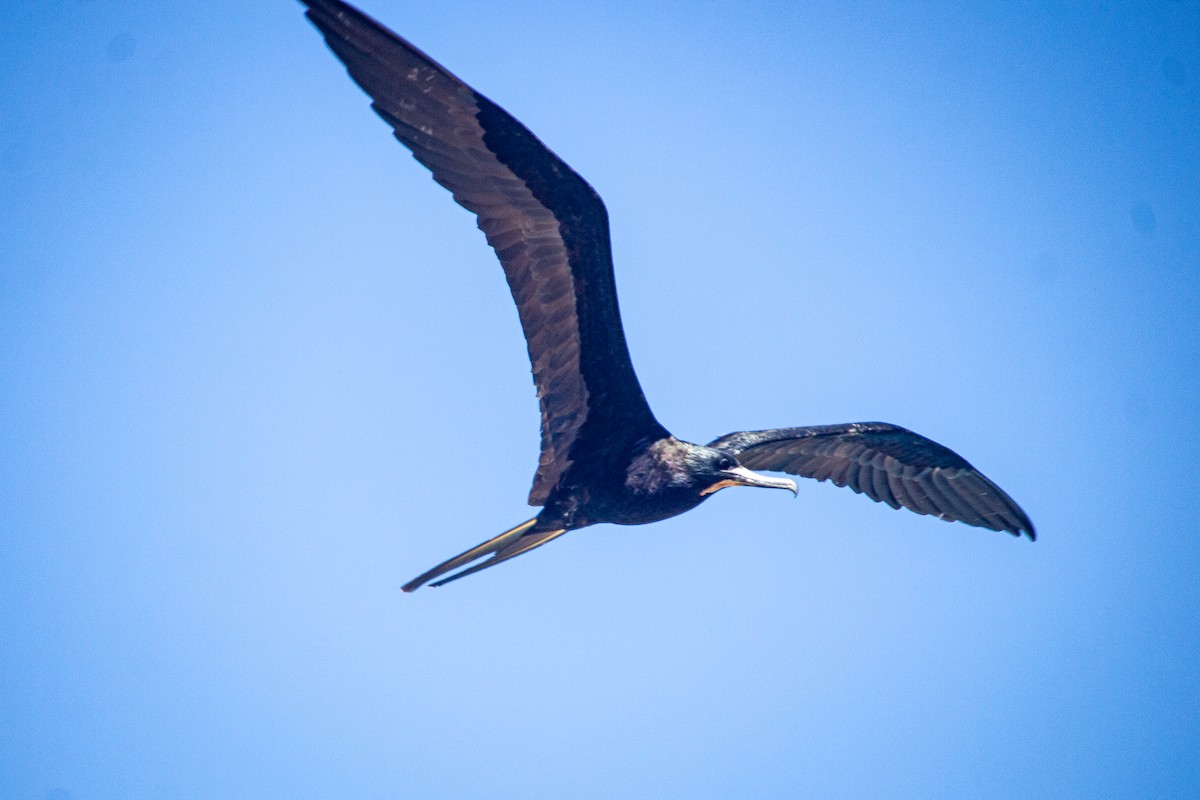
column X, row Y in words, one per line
column 510, row 544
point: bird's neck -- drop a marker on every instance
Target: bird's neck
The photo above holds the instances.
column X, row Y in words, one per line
column 660, row 466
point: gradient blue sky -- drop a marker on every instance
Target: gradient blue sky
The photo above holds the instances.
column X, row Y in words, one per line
column 257, row 370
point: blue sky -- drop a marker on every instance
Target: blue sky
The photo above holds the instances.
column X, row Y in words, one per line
column 257, row 370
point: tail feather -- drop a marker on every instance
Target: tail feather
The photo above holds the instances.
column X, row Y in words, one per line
column 492, row 545
column 520, row 547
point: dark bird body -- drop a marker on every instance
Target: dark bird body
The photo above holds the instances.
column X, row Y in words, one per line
column 604, row 456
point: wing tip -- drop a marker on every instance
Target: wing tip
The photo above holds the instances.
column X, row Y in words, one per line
column 1022, row 526
column 1021, row 523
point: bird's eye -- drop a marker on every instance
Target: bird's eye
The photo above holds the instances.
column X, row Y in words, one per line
column 725, row 462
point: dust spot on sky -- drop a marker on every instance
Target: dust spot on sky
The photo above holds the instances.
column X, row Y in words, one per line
column 1174, row 71
column 121, row 47
column 1046, row 269
column 1142, row 217
column 1135, row 409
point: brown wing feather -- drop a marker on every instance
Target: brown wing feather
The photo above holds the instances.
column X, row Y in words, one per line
column 547, row 225
column 887, row 463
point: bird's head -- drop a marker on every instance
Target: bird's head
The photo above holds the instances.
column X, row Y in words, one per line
column 691, row 472
column 713, row 470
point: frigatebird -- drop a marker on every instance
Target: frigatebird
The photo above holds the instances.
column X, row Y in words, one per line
column 604, row 456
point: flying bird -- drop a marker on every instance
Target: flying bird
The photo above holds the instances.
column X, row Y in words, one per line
column 604, row 455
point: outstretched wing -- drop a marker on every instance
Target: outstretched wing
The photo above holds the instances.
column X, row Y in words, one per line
column 547, row 225
column 887, row 463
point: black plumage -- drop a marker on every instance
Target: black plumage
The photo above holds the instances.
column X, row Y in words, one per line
column 604, row 456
